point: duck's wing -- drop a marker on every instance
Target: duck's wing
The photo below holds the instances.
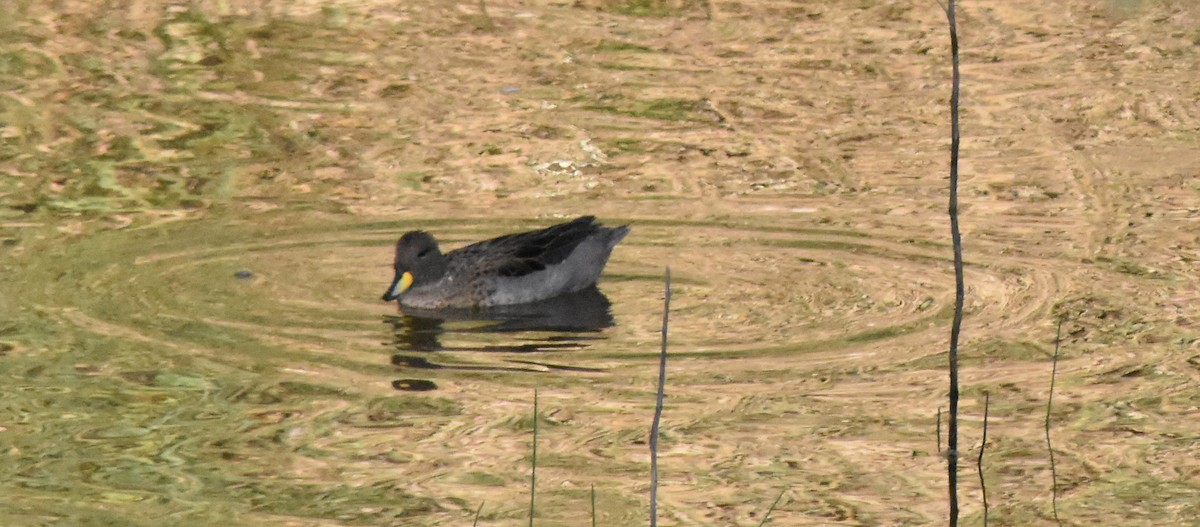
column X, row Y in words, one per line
column 520, row 254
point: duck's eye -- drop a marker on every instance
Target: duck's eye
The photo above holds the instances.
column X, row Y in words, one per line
column 423, row 253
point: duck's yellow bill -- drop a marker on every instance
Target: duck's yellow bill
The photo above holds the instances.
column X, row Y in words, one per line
column 402, row 283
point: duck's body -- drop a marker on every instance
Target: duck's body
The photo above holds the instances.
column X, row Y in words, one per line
column 512, row 269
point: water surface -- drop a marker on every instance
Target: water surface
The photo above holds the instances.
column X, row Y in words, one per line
column 199, row 202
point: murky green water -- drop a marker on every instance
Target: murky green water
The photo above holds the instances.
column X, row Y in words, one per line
column 182, row 365
column 198, row 204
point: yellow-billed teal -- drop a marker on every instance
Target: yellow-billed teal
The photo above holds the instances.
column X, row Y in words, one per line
column 512, row 269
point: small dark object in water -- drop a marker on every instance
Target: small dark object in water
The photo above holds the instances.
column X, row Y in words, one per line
column 244, row 275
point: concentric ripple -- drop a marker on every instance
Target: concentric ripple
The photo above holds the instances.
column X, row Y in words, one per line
column 303, row 294
column 262, row 335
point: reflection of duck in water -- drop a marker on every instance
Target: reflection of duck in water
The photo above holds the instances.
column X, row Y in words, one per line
column 579, row 312
column 512, row 269
column 418, row 335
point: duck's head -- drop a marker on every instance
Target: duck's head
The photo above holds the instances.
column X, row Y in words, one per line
column 418, row 261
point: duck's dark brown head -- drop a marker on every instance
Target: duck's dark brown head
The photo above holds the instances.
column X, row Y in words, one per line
column 418, row 261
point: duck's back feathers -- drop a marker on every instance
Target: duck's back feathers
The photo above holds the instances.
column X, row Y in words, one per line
column 517, row 255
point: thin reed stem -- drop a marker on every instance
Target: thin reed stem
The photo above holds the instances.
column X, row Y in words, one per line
column 959, row 286
column 771, row 509
column 987, row 401
column 1049, row 406
column 658, row 406
column 533, row 473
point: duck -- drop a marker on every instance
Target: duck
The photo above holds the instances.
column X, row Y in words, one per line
column 512, row 269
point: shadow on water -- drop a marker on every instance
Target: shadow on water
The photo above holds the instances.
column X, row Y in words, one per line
column 419, row 333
